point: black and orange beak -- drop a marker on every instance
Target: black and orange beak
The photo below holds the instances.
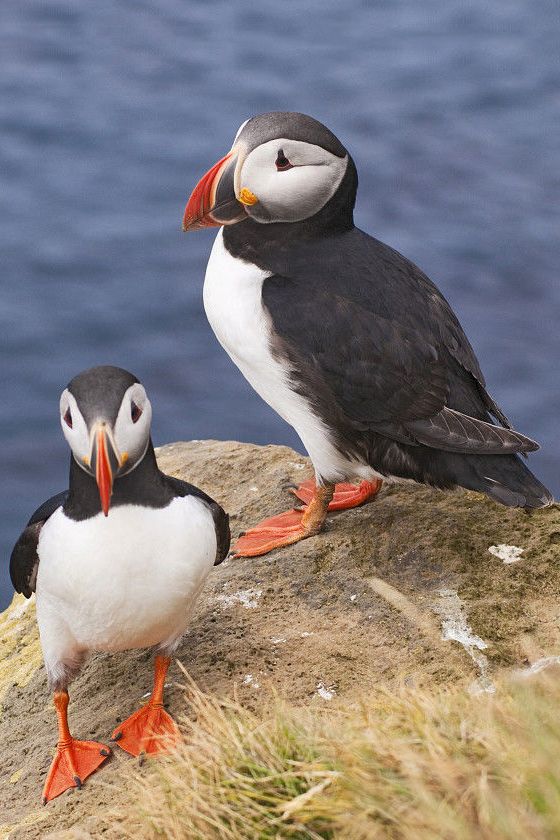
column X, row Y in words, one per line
column 213, row 201
column 104, row 463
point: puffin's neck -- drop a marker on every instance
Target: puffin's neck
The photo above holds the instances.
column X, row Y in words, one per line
column 145, row 485
column 269, row 246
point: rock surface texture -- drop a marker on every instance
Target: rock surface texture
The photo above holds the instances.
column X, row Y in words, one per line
column 420, row 585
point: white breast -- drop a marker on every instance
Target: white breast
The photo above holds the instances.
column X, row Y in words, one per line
column 128, row 580
column 233, row 304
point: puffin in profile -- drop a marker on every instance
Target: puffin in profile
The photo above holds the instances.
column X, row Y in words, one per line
column 116, row 561
column 350, row 342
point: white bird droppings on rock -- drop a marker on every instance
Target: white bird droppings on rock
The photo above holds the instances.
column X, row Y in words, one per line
column 277, row 640
column 326, row 692
column 250, row 680
column 539, row 666
column 305, row 634
column 507, row 553
column 248, row 598
column 454, row 627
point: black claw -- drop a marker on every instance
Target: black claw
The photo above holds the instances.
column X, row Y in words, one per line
column 105, row 751
column 241, row 534
column 141, row 758
column 45, row 800
column 116, row 737
column 78, row 782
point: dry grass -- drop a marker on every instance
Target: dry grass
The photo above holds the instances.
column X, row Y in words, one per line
column 411, row 766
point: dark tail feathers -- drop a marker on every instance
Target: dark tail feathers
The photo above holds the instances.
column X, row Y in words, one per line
column 506, row 479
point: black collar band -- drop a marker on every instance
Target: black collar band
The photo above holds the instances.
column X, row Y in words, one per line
column 145, row 485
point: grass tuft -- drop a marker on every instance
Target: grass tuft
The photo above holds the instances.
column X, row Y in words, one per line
column 410, row 765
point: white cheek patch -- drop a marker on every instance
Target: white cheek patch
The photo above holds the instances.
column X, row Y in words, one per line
column 294, row 194
column 132, row 438
column 298, row 194
column 77, row 437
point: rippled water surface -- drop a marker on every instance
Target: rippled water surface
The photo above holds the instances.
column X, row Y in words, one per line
column 109, row 113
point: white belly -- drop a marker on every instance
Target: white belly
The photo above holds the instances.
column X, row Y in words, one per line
column 128, row 580
column 233, row 305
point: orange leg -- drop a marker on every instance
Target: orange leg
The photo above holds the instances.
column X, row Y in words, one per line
column 286, row 528
column 74, row 760
column 150, row 730
column 345, row 496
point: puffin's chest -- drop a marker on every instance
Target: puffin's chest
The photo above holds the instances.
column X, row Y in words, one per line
column 125, row 579
column 233, row 305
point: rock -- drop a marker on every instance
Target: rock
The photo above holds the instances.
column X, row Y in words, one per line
column 403, row 589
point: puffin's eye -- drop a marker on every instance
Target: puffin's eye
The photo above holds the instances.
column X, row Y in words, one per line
column 282, row 162
column 135, row 412
column 68, row 418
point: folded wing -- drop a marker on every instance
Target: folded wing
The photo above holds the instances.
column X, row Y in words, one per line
column 24, row 560
column 377, row 343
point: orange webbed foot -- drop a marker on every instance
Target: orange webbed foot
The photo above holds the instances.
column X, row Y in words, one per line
column 297, row 524
column 286, row 528
column 275, row 532
column 73, row 763
column 345, row 495
column 148, row 731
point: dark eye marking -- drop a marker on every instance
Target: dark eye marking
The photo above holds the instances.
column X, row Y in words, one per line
column 68, row 418
column 282, row 162
column 135, row 412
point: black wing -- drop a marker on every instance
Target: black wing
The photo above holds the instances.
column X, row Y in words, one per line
column 24, row 560
column 221, row 518
column 368, row 333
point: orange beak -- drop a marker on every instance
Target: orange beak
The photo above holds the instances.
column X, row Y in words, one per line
column 103, row 471
column 213, row 201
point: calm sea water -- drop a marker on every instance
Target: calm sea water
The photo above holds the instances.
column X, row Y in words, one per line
column 109, row 113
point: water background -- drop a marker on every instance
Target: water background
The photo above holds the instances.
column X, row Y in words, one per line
column 109, row 114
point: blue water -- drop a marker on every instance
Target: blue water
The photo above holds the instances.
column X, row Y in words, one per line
column 110, row 112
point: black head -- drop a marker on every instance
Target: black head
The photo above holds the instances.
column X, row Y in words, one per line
column 106, row 418
column 284, row 168
column 100, row 390
column 292, row 125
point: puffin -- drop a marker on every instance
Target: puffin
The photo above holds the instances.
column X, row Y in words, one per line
column 344, row 337
column 116, row 561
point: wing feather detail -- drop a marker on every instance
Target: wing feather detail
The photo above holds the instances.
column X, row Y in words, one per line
column 24, row 560
column 453, row 431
